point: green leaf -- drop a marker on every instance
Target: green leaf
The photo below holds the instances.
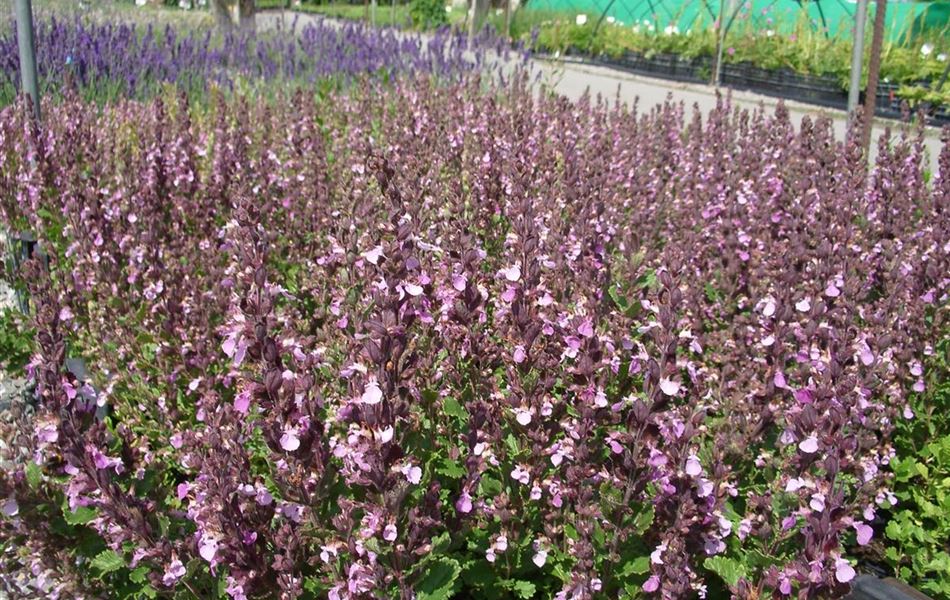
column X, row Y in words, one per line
column 80, row 516
column 450, row 468
column 522, row 589
column 637, row 566
column 453, row 408
column 139, row 575
column 107, row 562
column 728, row 569
column 512, row 444
column 34, row 476
column 441, row 543
column 490, row 487
column 643, row 520
column 438, row 580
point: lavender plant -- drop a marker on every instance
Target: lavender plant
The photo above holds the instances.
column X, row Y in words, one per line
column 110, row 61
column 424, row 341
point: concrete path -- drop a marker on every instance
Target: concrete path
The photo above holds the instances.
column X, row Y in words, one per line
column 572, row 79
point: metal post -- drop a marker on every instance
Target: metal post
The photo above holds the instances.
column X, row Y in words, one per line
column 372, row 13
column 24, row 28
column 857, row 55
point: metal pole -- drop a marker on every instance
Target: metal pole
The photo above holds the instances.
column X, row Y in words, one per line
column 24, row 29
column 857, row 55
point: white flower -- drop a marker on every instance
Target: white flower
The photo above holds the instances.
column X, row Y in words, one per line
column 671, row 30
column 581, row 19
column 927, row 49
column 372, row 394
column 669, row 387
column 540, row 557
column 769, row 32
column 611, row 20
column 942, row 57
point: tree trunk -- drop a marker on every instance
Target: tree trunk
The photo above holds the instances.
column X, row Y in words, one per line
column 223, row 16
column 874, row 71
column 247, row 14
column 477, row 16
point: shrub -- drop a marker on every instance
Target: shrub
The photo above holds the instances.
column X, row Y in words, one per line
column 428, row 14
column 440, row 341
column 919, row 527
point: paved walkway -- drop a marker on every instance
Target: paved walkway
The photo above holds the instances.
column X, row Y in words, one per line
column 572, row 79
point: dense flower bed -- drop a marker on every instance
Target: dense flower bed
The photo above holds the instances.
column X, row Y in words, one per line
column 425, row 340
column 108, row 61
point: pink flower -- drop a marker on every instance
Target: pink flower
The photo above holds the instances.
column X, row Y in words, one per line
column 844, row 572
column 785, row 585
column 373, row 256
column 794, row 484
column 182, row 490
column 521, row 475
column 413, row 473
column 832, row 291
column 372, row 394
column 540, row 557
column 656, row 557
column 652, row 584
column 864, row 531
column 459, row 282
column 512, row 273
column 464, row 503
column 809, row 445
column 803, row 305
column 173, row 573
column 693, row 467
column 207, row 548
column 523, row 416
column 175, row 441
column 519, row 355
column 10, row 507
column 669, row 387
column 389, row 533
column 586, row 328
column 242, row 402
column 779, row 380
column 817, row 502
column 289, row 440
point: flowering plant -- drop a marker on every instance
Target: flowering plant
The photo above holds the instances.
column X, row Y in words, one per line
column 421, row 340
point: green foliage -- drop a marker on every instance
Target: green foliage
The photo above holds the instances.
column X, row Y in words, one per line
column 918, row 530
column 16, row 341
column 438, row 579
column 802, row 50
column 728, row 569
column 428, row 14
column 107, row 561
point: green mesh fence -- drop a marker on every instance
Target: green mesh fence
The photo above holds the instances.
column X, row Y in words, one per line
column 832, row 16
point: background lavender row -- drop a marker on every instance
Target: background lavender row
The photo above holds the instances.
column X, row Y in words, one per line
column 108, row 61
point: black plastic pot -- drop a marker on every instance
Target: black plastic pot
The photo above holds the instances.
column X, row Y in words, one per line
column 662, row 66
column 869, row 587
column 783, row 83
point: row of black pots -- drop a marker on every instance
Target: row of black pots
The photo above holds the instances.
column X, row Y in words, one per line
column 781, row 83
